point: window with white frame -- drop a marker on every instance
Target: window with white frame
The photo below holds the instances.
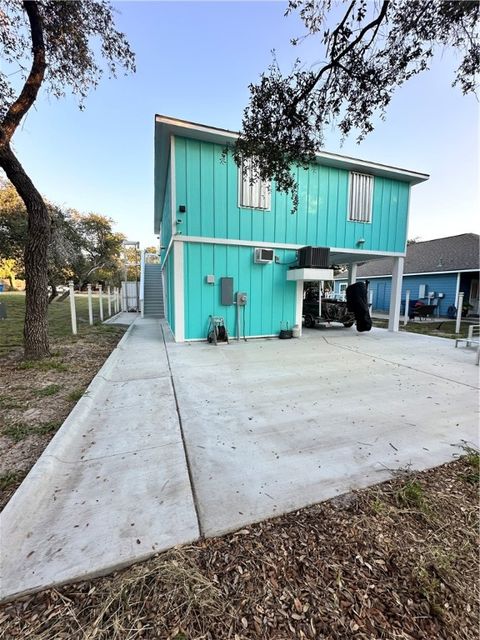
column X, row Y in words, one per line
column 360, row 197
column 252, row 193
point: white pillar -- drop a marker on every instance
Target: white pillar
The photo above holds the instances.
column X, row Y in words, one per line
column 370, row 300
column 396, row 294
column 100, row 301
column 299, row 306
column 90, row 308
column 109, row 301
column 320, row 299
column 459, row 311
column 352, row 273
column 178, row 288
column 117, row 299
column 407, row 305
column 73, row 311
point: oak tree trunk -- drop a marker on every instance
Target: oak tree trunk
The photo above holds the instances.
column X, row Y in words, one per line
column 35, row 330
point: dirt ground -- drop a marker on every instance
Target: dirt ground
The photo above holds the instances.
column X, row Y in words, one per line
column 397, row 561
column 36, row 397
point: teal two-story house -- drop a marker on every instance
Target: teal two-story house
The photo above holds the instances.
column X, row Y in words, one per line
column 220, row 234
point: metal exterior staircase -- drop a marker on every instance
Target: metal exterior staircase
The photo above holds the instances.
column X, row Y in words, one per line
column 153, row 292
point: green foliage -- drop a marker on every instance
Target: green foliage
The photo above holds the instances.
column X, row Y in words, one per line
column 83, row 247
column 20, row 431
column 75, row 395
column 372, row 49
column 43, row 365
column 7, row 401
column 10, row 478
column 49, row 390
column 74, row 34
column 411, row 495
column 472, row 459
column 99, row 257
column 13, row 225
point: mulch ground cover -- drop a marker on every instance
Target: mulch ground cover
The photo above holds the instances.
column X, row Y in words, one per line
column 395, row 561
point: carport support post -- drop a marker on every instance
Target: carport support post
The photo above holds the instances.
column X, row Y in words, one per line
column 407, row 306
column 396, row 294
column 299, row 306
column 73, row 311
column 459, row 312
column 352, row 273
column 90, row 309
column 100, row 301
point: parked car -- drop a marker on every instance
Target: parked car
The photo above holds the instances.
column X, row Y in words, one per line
column 332, row 311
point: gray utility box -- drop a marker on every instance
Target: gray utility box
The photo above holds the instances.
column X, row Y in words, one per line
column 226, row 291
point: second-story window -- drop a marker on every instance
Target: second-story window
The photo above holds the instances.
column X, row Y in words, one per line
column 360, row 197
column 253, row 194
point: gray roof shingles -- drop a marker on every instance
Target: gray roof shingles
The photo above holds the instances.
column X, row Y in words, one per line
column 454, row 253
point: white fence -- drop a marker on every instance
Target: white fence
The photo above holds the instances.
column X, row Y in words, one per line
column 104, row 305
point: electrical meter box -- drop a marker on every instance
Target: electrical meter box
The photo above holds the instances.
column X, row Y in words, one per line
column 241, row 298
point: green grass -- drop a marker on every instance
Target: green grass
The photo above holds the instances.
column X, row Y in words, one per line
column 75, row 395
column 10, row 478
column 43, row 365
column 7, row 402
column 411, row 495
column 49, row 390
column 20, row 431
column 59, row 322
column 472, row 458
column 440, row 328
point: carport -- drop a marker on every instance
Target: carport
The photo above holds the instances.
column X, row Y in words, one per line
column 353, row 259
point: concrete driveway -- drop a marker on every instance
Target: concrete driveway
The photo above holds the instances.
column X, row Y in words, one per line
column 173, row 441
column 272, row 425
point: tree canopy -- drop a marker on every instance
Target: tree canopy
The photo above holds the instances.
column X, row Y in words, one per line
column 373, row 48
column 83, row 247
column 62, row 46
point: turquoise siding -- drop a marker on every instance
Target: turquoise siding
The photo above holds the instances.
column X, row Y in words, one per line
column 271, row 299
column 439, row 283
column 169, row 291
column 166, row 224
column 208, row 186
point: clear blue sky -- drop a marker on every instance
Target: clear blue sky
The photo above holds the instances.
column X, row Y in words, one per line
column 195, row 61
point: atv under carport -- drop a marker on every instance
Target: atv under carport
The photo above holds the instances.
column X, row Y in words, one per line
column 332, row 311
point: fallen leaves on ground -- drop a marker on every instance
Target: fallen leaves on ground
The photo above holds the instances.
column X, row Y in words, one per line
column 397, row 561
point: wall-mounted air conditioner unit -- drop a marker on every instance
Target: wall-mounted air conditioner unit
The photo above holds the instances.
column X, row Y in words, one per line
column 264, row 256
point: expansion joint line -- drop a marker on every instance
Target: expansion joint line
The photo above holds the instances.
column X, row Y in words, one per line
column 185, row 450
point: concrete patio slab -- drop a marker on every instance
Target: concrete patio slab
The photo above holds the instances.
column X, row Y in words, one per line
column 271, row 426
column 112, row 487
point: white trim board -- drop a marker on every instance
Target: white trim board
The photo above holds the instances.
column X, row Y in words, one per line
column 422, row 273
column 234, row 340
column 283, row 245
